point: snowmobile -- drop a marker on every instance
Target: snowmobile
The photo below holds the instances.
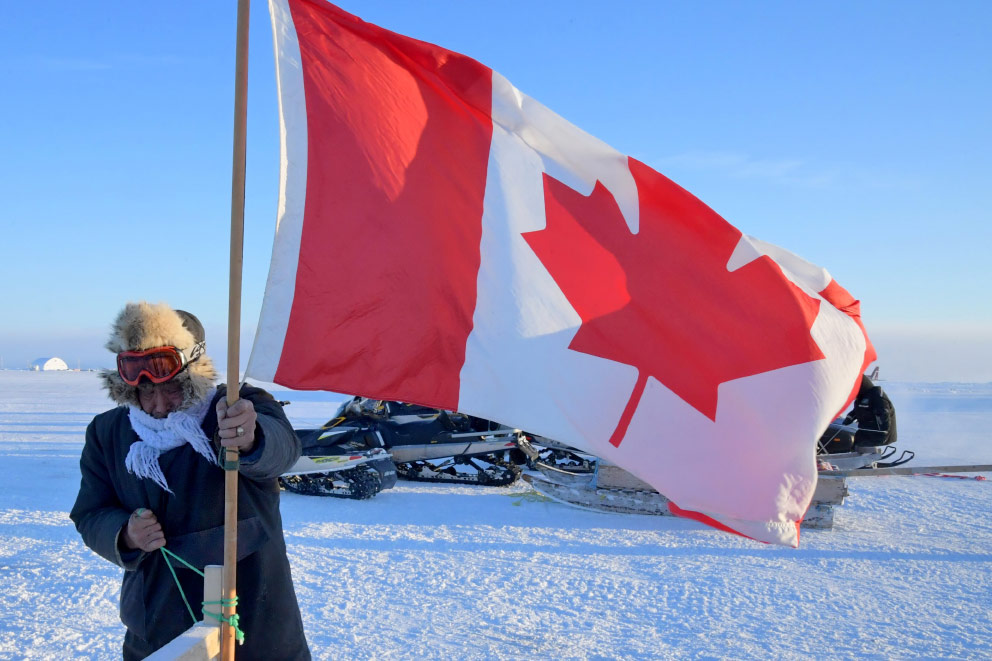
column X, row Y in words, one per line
column 865, row 437
column 421, row 443
column 340, row 462
column 858, row 444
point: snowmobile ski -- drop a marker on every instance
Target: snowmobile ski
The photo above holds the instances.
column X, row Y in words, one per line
column 864, row 457
column 908, row 470
column 622, row 501
column 562, row 476
column 650, row 502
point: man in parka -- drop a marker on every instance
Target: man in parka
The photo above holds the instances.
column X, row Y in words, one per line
column 150, row 478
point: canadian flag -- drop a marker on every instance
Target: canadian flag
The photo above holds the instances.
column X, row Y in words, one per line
column 446, row 240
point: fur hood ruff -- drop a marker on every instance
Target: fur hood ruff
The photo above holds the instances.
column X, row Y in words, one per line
column 141, row 326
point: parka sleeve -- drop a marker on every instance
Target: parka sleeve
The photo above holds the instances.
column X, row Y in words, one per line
column 277, row 445
column 97, row 513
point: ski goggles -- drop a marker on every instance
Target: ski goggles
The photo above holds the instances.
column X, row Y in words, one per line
column 158, row 364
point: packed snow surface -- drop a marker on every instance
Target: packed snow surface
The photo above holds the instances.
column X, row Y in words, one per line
column 441, row 572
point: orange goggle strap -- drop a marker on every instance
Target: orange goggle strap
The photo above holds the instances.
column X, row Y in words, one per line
column 158, row 364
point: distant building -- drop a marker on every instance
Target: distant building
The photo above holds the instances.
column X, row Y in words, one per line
column 49, row 365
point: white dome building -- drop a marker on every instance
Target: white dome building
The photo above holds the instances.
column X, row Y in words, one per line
column 49, row 365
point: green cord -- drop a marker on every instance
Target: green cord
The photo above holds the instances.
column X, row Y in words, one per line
column 166, row 555
column 169, row 553
column 223, row 603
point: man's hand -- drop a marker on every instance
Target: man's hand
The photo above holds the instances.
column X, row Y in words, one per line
column 236, row 425
column 143, row 531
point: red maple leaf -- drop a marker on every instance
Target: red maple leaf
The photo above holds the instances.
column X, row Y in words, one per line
column 663, row 300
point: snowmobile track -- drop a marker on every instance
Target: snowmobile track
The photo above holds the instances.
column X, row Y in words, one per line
column 493, row 471
column 356, row 483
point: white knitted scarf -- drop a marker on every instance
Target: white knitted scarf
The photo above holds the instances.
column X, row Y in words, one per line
column 160, row 435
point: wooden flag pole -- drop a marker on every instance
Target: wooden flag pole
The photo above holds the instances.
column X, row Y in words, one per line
column 227, row 632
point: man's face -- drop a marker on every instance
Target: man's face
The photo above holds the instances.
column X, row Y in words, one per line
column 160, row 399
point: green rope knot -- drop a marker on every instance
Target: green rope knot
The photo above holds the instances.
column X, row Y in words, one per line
column 238, row 633
column 231, row 621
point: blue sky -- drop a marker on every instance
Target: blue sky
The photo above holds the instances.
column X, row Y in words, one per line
column 855, row 134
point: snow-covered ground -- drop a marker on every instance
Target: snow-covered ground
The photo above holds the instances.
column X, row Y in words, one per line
column 436, row 572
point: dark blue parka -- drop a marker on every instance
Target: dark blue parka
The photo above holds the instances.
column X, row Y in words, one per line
column 192, row 519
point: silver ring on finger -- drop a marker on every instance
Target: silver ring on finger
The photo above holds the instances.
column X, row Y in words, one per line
column 241, row 431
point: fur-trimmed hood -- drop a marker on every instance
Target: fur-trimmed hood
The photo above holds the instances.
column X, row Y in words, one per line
column 141, row 326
